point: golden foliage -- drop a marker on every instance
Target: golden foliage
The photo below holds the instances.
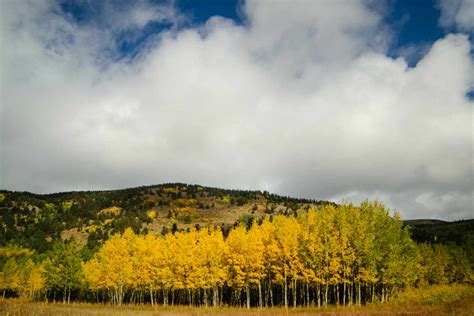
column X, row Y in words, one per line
column 184, row 202
column 360, row 253
column 151, row 214
column 171, row 190
column 113, row 210
column 14, row 252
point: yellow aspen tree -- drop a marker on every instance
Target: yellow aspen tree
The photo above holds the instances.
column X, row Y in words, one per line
column 142, row 261
column 311, row 252
column 212, row 249
column 162, row 263
column 257, row 265
column 11, row 279
column 35, row 279
column 330, row 260
column 402, row 266
column 115, row 263
column 237, row 258
column 346, row 252
column 287, row 233
column 94, row 275
column 184, row 264
column 244, row 259
column 271, row 255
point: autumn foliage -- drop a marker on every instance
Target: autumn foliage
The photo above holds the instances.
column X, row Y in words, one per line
column 341, row 255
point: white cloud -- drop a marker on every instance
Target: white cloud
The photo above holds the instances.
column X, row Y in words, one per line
column 301, row 100
column 458, row 14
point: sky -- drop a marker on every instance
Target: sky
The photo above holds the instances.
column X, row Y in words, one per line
column 337, row 100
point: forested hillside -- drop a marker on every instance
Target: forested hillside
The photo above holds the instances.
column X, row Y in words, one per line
column 37, row 221
column 436, row 231
column 188, row 244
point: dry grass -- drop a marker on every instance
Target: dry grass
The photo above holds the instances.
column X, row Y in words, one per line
column 456, row 300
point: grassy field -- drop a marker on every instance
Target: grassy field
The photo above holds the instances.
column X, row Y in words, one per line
column 435, row 300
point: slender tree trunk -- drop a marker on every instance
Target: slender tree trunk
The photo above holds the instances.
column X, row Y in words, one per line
column 247, row 290
column 307, row 295
column 318, row 292
column 294, row 293
column 120, row 295
column 236, row 297
column 271, row 295
column 326, row 290
column 286, row 292
column 373, row 292
column 303, row 294
column 220, row 297
column 260, row 298
column 265, row 294
column 359, row 294
column 344, row 293
column 215, row 296
column 351, row 293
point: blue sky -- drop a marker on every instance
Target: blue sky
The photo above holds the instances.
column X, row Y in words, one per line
column 327, row 99
column 413, row 22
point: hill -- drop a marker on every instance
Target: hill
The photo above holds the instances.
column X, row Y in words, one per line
column 113, row 258
column 35, row 221
column 437, row 231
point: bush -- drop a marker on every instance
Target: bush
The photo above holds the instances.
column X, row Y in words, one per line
column 435, row 295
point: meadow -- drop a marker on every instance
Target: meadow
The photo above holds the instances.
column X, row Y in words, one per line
column 452, row 299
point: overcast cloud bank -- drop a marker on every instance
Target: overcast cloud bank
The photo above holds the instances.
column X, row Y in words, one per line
column 299, row 100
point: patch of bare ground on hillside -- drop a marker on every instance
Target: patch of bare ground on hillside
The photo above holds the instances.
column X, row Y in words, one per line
column 18, row 307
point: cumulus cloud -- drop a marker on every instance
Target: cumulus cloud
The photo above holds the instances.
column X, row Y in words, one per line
column 457, row 14
column 299, row 100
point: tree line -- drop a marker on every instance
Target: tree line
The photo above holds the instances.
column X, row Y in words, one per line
column 330, row 255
